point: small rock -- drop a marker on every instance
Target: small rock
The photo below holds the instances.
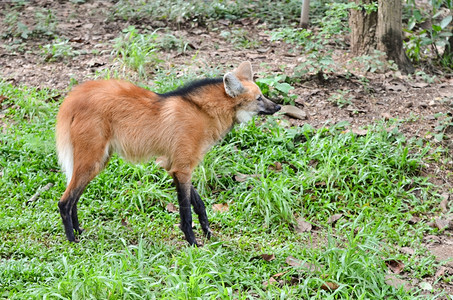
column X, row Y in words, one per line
column 294, row 112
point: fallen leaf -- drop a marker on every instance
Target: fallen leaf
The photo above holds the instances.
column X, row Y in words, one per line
column 426, row 286
column 271, row 280
column 220, row 207
column 333, row 219
column 243, row 177
column 442, row 223
column 313, row 163
column 268, row 257
column 276, row 167
column 386, row 116
column 279, row 274
column 329, row 286
column 407, row 250
column 433, row 239
column 440, row 272
column 240, row 177
column 171, row 208
column 302, row 225
column 396, row 282
column 444, row 202
column 293, row 262
column 357, row 131
column 320, row 184
column 419, row 84
column 395, row 87
column 396, row 266
column 413, row 220
column 2, row 98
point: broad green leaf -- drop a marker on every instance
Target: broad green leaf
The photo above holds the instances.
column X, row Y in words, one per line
column 284, row 87
column 444, row 23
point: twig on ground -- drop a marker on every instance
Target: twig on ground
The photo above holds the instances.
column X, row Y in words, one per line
column 38, row 193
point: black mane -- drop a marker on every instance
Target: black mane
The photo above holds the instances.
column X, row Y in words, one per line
column 191, row 87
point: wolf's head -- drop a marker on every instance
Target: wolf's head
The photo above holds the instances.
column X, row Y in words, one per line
column 250, row 101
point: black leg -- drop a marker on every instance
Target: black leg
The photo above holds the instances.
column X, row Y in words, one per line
column 67, row 220
column 185, row 212
column 75, row 219
column 200, row 210
column 68, row 212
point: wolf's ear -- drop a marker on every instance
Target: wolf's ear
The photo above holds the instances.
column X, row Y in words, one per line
column 233, row 87
column 244, row 71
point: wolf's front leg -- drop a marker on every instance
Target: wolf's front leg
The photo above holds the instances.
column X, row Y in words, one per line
column 200, row 210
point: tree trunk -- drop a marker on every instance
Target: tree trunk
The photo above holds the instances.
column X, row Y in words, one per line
column 304, row 14
column 363, row 29
column 380, row 30
column 390, row 33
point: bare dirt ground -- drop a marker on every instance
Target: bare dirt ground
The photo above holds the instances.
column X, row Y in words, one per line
column 421, row 106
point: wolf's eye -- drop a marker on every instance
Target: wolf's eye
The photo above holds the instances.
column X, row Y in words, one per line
column 260, row 98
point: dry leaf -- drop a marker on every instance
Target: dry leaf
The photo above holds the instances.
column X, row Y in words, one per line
column 440, row 272
column 329, row 286
column 432, row 239
column 443, row 205
column 220, row 207
column 240, row 177
column 386, row 116
column 293, row 262
column 426, row 286
column 171, row 208
column 357, row 131
column 396, row 282
column 413, row 220
column 276, row 167
column 444, row 202
column 302, row 225
column 442, row 223
column 243, row 177
column 279, row 274
column 396, row 266
column 268, row 257
column 333, row 219
column 407, row 250
column 271, row 280
column 320, row 184
column 313, row 163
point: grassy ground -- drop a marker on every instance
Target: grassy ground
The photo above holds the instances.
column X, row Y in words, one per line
column 297, row 212
column 269, row 178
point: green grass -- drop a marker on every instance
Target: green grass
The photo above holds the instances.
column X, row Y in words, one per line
column 132, row 249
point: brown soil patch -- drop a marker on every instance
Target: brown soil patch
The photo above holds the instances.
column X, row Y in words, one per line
column 419, row 108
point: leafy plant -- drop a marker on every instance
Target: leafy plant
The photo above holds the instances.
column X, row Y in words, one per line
column 340, row 98
column 425, row 41
column 200, row 12
column 58, row 50
column 14, row 27
column 137, row 51
column 319, row 59
column 241, row 38
column 276, row 86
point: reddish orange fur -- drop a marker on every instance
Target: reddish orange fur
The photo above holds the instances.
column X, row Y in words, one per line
column 132, row 120
column 101, row 117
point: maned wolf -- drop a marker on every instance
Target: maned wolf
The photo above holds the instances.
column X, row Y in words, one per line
column 104, row 116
